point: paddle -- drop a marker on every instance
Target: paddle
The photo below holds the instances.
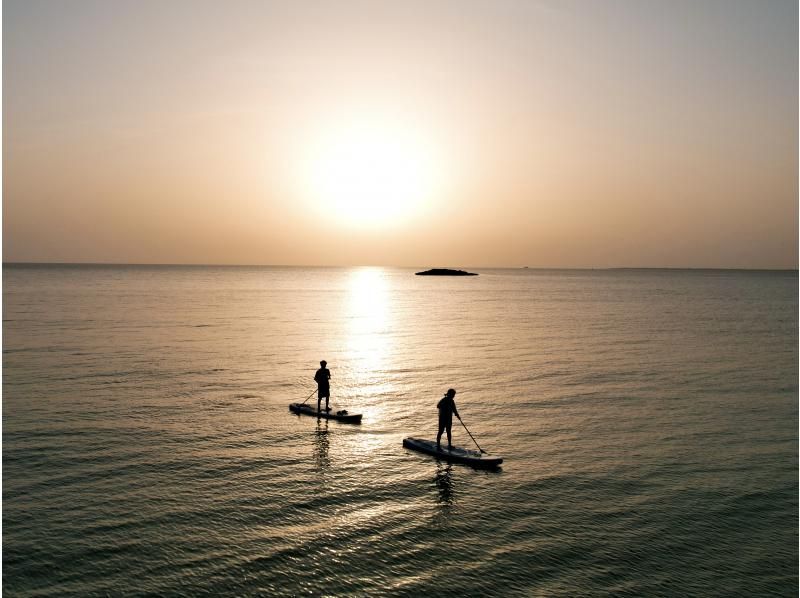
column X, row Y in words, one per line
column 471, row 436
column 309, row 396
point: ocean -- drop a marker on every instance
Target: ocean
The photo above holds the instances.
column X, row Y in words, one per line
column 648, row 421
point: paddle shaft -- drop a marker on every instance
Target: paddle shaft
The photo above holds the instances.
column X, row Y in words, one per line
column 471, row 436
column 309, row 396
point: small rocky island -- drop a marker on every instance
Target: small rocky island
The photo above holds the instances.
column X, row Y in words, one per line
column 445, row 272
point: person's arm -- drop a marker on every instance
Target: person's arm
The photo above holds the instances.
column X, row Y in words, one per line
column 456, row 410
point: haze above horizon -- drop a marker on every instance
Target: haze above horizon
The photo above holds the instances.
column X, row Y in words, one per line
column 540, row 134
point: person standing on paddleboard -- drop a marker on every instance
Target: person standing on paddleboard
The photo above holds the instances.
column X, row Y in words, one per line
column 323, row 377
column 447, row 407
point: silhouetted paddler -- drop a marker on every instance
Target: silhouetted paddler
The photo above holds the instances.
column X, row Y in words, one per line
column 447, row 407
column 323, row 377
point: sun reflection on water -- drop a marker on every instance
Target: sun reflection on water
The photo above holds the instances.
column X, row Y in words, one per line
column 368, row 341
column 368, row 305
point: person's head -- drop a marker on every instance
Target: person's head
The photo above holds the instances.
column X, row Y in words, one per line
column 323, row 363
column 451, row 393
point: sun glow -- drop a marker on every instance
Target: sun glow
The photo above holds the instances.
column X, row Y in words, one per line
column 372, row 176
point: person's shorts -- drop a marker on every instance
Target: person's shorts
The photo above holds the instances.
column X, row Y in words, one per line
column 323, row 393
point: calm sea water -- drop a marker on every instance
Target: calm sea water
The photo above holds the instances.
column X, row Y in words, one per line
column 648, row 421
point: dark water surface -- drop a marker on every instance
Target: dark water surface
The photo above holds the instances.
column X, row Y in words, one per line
column 648, row 421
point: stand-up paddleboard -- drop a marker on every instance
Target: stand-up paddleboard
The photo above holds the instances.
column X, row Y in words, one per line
column 342, row 416
column 455, row 454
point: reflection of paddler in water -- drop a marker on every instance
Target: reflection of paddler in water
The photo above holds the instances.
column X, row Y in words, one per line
column 447, row 407
column 323, row 377
column 321, row 443
column 444, row 482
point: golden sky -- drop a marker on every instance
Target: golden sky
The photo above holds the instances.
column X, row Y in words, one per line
column 466, row 133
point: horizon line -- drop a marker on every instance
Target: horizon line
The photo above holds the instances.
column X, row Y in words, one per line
column 209, row 265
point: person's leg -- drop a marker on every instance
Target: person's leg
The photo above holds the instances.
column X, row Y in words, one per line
column 319, row 399
column 439, row 436
column 327, row 402
column 449, row 440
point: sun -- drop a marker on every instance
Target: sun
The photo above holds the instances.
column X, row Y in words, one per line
column 372, row 176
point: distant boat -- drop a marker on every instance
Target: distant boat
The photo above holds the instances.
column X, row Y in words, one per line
column 445, row 272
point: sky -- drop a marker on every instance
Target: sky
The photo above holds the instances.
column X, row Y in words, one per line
column 503, row 133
